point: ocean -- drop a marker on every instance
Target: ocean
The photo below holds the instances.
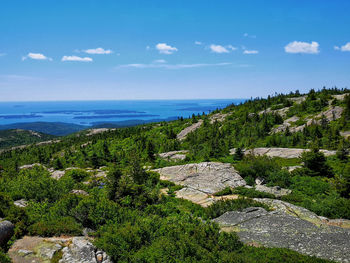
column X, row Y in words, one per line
column 91, row 113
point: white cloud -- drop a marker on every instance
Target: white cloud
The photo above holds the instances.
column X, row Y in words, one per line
column 76, row 58
column 218, row 49
column 159, row 61
column 198, row 43
column 98, row 51
column 163, row 48
column 221, row 49
column 36, row 56
column 344, row 48
column 250, row 52
column 302, row 47
column 250, row 36
column 173, row 66
column 148, row 47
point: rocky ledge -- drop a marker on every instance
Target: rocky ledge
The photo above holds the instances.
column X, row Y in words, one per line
column 202, row 180
column 256, row 226
column 207, row 177
column 281, row 152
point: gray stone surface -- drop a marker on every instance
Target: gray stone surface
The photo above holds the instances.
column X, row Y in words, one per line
column 207, row 177
column 281, row 152
column 81, row 250
column 21, row 203
column 275, row 190
column 42, row 250
column 174, row 155
column 278, row 229
column 6, row 231
column 183, row 134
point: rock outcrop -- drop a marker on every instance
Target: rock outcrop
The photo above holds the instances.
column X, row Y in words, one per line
column 207, row 177
column 82, row 250
column 331, row 114
column 174, row 155
column 65, row 249
column 6, row 231
column 278, row 229
column 281, row 152
column 183, row 134
column 202, row 180
column 275, row 190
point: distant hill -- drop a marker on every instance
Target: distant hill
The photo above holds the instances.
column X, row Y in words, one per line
column 53, row 128
column 16, row 137
column 62, row 128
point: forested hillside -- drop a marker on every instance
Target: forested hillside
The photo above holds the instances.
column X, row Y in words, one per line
column 12, row 138
column 103, row 182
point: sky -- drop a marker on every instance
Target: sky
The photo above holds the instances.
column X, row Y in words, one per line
column 184, row 49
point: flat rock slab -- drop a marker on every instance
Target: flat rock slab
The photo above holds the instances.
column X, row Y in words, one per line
column 278, row 229
column 174, row 155
column 200, row 198
column 281, row 152
column 275, row 190
column 183, row 134
column 207, row 177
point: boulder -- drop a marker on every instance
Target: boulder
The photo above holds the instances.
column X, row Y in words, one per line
column 21, row 203
column 57, row 174
column 278, row 229
column 207, row 177
column 43, row 250
column 79, row 192
column 81, row 250
column 6, row 231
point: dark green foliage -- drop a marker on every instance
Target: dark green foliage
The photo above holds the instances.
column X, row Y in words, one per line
column 315, row 164
column 4, row 258
column 253, row 167
column 55, row 227
column 12, row 138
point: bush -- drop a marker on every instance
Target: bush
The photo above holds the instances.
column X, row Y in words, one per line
column 55, row 227
column 253, row 167
column 315, row 164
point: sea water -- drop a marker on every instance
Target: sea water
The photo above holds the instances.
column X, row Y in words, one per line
column 97, row 112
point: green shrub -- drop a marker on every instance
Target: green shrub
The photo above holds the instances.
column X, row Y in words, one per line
column 55, row 227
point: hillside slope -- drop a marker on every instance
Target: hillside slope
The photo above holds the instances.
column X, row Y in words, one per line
column 186, row 190
column 16, row 137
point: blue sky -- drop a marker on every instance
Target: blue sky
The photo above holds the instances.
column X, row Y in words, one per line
column 85, row 49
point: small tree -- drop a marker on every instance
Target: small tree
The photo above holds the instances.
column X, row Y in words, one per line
column 238, row 154
column 315, row 163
